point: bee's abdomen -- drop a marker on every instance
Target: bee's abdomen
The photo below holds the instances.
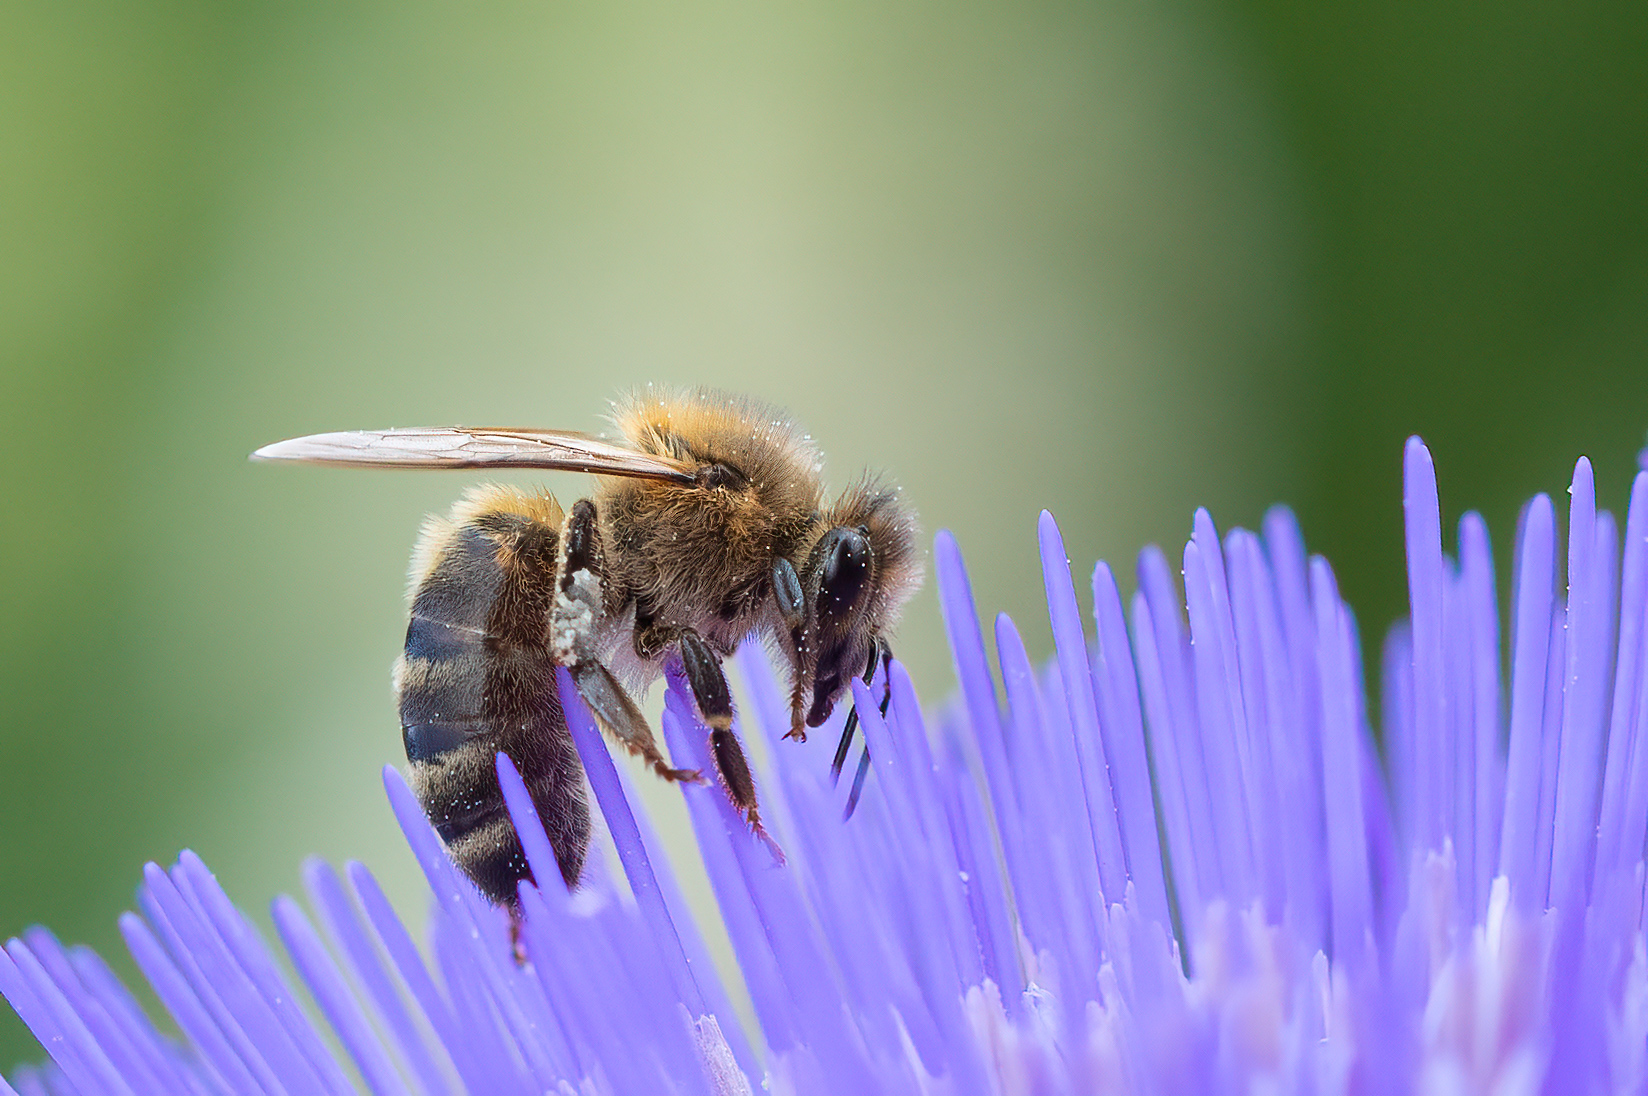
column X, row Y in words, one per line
column 476, row 678
column 442, row 676
column 443, row 696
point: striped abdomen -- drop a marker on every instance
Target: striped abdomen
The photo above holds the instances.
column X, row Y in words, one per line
column 476, row 678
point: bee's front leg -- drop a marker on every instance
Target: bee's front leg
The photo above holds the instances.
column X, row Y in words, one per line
column 709, row 688
column 792, row 610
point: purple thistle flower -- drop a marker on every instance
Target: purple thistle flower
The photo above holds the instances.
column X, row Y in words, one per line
column 1171, row 860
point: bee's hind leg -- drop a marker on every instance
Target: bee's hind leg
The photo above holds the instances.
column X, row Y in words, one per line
column 581, row 579
column 578, row 606
column 709, row 688
column 622, row 719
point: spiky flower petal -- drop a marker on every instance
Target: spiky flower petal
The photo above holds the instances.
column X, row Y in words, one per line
column 1171, row 860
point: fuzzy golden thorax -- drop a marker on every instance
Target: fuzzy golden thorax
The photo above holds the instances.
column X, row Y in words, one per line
column 700, row 555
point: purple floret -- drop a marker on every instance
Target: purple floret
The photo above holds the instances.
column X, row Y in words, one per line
column 1174, row 858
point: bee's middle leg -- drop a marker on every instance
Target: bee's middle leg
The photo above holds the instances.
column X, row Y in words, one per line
column 709, row 688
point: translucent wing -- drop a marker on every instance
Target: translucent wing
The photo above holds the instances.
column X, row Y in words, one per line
column 475, row 447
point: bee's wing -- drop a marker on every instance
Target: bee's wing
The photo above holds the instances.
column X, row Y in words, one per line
column 475, row 447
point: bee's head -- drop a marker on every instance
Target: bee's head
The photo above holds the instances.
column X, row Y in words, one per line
column 855, row 580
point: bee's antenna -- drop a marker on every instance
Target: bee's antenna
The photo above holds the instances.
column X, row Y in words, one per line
column 858, row 785
column 846, row 742
column 879, row 652
column 843, row 746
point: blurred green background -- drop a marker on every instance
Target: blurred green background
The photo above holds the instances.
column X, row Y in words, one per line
column 1114, row 259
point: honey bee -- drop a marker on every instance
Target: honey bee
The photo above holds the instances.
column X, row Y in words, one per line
column 707, row 525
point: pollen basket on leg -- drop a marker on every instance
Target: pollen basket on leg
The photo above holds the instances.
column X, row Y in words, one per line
column 573, row 632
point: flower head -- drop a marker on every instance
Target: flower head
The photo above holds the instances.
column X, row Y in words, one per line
column 1173, row 859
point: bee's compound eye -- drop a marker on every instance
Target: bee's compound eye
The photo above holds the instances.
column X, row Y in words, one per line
column 846, row 570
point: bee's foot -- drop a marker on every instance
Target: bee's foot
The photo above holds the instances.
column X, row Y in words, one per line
column 766, row 839
column 517, row 945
